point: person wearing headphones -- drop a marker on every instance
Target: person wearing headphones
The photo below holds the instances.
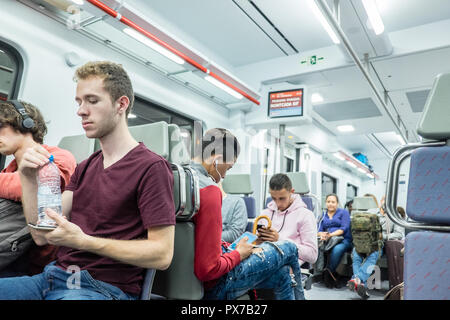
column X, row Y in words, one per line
column 22, row 126
column 226, row 273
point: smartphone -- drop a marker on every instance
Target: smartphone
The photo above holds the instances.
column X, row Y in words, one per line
column 251, row 237
column 49, row 228
column 259, row 226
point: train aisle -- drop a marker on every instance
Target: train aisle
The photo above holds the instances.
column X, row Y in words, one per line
column 319, row 291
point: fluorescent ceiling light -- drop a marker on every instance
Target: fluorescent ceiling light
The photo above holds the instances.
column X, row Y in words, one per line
column 79, row 2
column 374, row 16
column 225, row 88
column 131, row 116
column 361, row 170
column 346, row 128
column 323, row 21
column 152, row 44
column 369, row 175
column 338, row 155
column 316, row 98
column 184, row 134
column 351, row 164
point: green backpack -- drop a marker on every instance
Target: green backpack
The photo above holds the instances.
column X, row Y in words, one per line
column 366, row 232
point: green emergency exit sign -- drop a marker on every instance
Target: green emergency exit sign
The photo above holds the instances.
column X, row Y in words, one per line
column 312, row 60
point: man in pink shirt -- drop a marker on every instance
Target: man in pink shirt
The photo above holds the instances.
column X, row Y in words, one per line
column 291, row 220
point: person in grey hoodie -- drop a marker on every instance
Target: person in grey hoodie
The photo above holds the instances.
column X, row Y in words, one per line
column 234, row 216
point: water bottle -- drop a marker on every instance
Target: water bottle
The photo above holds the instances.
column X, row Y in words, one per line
column 49, row 193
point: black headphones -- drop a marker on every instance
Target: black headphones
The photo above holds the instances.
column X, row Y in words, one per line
column 27, row 122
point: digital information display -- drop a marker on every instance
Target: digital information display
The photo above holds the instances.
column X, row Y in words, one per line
column 288, row 103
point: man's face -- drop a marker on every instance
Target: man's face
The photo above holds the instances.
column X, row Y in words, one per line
column 98, row 113
column 221, row 168
column 282, row 198
column 10, row 140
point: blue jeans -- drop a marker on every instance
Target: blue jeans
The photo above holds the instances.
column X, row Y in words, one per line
column 54, row 284
column 336, row 254
column 363, row 268
column 269, row 269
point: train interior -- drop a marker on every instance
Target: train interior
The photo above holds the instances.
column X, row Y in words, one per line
column 372, row 96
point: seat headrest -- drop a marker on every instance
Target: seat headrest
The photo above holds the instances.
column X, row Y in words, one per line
column 299, row 182
column 80, row 146
column 237, row 184
column 434, row 123
column 364, row 203
column 155, row 136
column 178, row 152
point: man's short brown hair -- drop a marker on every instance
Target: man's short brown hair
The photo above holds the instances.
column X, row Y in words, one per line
column 115, row 79
column 10, row 116
column 219, row 141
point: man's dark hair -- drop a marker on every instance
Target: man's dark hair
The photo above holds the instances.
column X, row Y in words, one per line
column 280, row 181
column 10, row 116
column 219, row 141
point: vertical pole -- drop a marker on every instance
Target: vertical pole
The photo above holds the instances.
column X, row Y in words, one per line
column 282, row 131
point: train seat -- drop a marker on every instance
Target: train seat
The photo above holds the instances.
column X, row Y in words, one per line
column 155, row 136
column 427, row 248
column 79, row 145
column 240, row 184
column 179, row 281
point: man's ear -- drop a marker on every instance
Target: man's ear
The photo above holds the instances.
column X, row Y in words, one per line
column 292, row 191
column 217, row 158
column 124, row 104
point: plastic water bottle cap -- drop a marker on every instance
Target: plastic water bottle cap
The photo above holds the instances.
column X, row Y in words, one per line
column 51, row 158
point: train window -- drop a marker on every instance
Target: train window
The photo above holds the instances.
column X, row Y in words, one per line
column 329, row 185
column 352, row 191
column 289, row 164
column 11, row 66
column 145, row 111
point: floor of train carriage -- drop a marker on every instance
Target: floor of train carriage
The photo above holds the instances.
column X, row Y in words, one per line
column 319, row 291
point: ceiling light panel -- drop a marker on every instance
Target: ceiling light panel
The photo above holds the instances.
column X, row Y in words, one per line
column 133, row 46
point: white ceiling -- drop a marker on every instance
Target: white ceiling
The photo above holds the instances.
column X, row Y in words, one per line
column 254, row 40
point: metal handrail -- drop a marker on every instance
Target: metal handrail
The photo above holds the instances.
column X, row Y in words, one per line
column 392, row 188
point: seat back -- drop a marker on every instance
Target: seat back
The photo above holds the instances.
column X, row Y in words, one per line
column 79, row 145
column 363, row 204
column 427, row 248
column 241, row 184
column 147, row 285
column 179, row 280
column 155, row 136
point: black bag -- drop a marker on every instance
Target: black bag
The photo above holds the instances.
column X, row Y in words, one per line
column 15, row 237
column 323, row 247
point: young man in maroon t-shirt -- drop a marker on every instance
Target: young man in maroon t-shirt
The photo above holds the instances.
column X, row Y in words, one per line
column 118, row 209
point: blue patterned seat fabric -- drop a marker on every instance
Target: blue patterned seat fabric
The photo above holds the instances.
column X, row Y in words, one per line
column 427, row 254
column 429, row 185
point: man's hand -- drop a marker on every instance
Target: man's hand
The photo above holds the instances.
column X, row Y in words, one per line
column 244, row 248
column 32, row 159
column 265, row 234
column 67, row 234
column 324, row 235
